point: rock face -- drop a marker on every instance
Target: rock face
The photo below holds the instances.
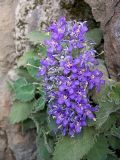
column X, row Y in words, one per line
column 108, row 13
column 6, row 37
column 13, row 145
column 7, row 55
column 37, row 14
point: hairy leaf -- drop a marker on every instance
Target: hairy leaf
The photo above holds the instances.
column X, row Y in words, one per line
column 101, row 66
column 109, row 123
column 99, row 150
column 39, row 119
column 94, row 35
column 25, row 93
column 24, row 59
column 44, row 149
column 37, row 37
column 27, row 125
column 108, row 100
column 42, row 51
column 40, row 104
column 23, row 73
column 114, row 142
column 115, row 131
column 32, row 67
column 74, row 148
column 42, row 152
column 20, row 111
column 112, row 157
column 20, row 82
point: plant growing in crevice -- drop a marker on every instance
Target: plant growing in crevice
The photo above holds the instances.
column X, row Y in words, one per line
column 63, row 100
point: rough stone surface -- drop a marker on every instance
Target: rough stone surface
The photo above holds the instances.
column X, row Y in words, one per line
column 3, row 144
column 13, row 145
column 23, row 147
column 31, row 15
column 6, row 37
column 108, row 13
column 7, row 55
column 37, row 14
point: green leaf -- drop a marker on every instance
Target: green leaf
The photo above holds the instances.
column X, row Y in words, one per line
column 52, row 125
column 32, row 67
column 108, row 100
column 42, row 91
column 112, row 157
column 42, row 152
column 39, row 119
column 115, row 131
column 20, row 82
column 22, row 61
column 25, row 93
column 40, row 104
column 95, row 35
column 42, row 51
column 10, row 85
column 27, row 125
column 74, row 148
column 101, row 66
column 114, row 142
column 99, row 150
column 115, row 94
column 44, row 149
column 20, row 111
column 23, row 73
column 37, row 37
column 109, row 122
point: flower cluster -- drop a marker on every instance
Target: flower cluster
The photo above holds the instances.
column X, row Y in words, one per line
column 69, row 74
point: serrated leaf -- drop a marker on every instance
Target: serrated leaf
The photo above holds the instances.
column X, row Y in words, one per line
column 22, row 72
column 40, row 104
column 104, row 112
column 115, row 94
column 115, row 131
column 109, row 123
column 101, row 67
column 42, row 51
column 25, row 93
column 42, row 152
column 10, row 85
column 27, row 125
column 42, row 91
column 74, row 148
column 37, row 37
column 114, row 142
column 20, row 82
column 22, row 61
column 39, row 119
column 43, row 147
column 32, row 67
column 112, row 157
column 99, row 150
column 107, row 102
column 95, row 35
column 20, row 111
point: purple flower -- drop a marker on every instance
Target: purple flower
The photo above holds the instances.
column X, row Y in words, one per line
column 69, row 77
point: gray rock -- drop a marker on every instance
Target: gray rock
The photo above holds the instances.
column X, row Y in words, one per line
column 108, row 13
column 22, row 146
